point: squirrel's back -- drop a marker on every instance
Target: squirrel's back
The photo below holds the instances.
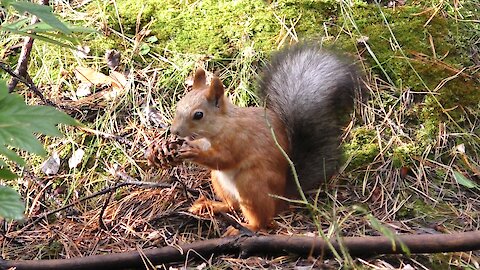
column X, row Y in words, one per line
column 312, row 90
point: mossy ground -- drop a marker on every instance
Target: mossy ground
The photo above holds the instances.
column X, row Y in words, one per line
column 419, row 124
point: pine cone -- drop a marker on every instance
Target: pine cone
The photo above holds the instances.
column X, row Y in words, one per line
column 163, row 152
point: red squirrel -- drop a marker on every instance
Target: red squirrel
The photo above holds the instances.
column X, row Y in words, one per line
column 308, row 91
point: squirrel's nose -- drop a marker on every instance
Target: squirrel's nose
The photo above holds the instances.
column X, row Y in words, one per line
column 174, row 129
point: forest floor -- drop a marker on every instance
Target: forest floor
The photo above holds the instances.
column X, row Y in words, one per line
column 412, row 149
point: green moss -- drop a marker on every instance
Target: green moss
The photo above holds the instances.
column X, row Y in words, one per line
column 223, row 28
column 362, row 148
column 402, row 155
column 419, row 55
column 415, row 209
column 54, row 248
column 424, row 54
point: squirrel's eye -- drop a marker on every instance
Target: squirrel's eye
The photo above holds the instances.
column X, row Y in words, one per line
column 197, row 115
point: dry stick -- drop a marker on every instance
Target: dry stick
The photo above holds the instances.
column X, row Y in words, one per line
column 132, row 181
column 22, row 65
column 261, row 245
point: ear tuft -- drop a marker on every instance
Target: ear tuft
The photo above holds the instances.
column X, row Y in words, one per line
column 200, row 79
column 216, row 91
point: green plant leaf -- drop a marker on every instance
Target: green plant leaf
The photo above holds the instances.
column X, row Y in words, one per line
column 44, row 13
column 7, row 174
column 152, row 39
column 11, row 155
column 36, row 36
column 462, row 180
column 17, row 24
column 42, row 27
column 19, row 122
column 60, row 36
column 38, row 27
column 144, row 49
column 11, row 204
column 17, row 137
column 376, row 224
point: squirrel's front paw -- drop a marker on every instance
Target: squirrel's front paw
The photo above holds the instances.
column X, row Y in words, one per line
column 189, row 150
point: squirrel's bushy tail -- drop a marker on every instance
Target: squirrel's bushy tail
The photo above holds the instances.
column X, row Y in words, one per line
column 312, row 90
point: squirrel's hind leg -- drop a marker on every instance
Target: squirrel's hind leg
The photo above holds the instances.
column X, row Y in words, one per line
column 257, row 217
column 259, row 205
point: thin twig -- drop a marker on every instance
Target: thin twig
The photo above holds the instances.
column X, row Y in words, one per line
column 101, row 223
column 29, row 83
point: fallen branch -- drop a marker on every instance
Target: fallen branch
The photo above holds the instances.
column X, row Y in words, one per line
column 21, row 70
column 261, row 245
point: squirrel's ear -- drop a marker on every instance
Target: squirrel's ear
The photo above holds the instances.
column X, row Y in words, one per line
column 199, row 80
column 216, row 91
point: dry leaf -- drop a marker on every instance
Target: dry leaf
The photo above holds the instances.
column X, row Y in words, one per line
column 460, row 148
column 88, row 75
column 82, row 51
column 83, row 90
column 118, row 80
column 155, row 118
column 76, row 158
column 404, row 171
